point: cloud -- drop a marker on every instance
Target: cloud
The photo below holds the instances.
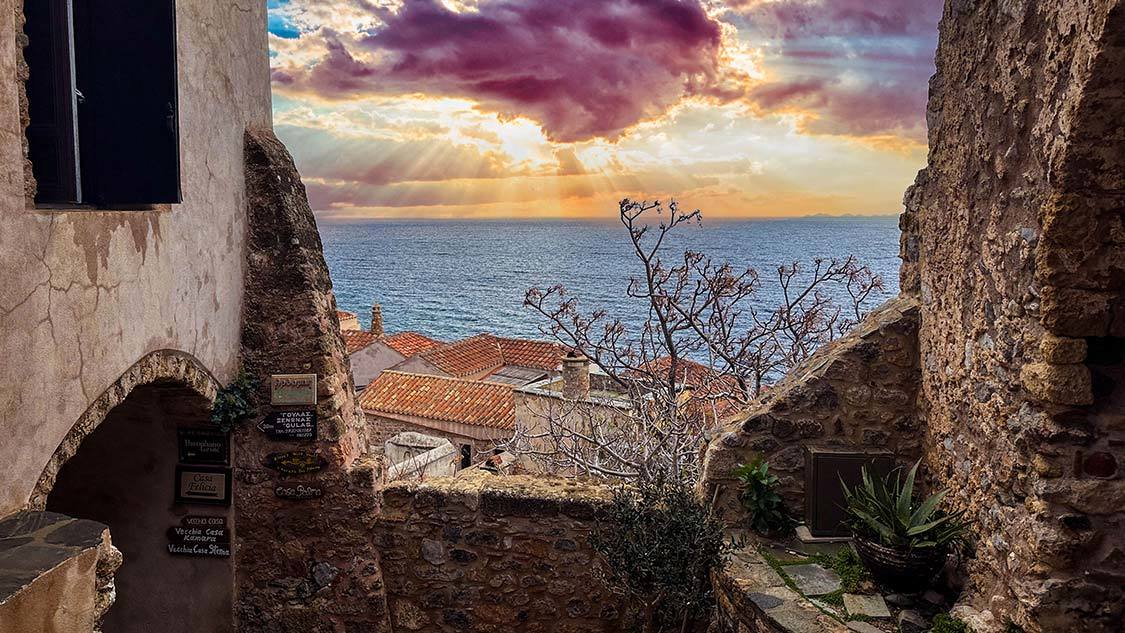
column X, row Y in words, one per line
column 797, row 18
column 850, row 108
column 580, row 69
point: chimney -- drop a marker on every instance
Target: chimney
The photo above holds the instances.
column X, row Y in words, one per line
column 377, row 319
column 575, row 376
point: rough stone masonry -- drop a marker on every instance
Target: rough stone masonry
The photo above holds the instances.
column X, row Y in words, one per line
column 1014, row 242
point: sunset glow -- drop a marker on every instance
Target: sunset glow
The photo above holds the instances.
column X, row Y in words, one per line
column 559, row 108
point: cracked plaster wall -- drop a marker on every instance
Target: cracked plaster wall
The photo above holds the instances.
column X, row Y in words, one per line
column 84, row 294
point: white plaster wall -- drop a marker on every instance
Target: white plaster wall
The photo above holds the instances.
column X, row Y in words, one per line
column 85, row 294
column 370, row 361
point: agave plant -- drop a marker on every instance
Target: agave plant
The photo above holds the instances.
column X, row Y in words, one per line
column 884, row 510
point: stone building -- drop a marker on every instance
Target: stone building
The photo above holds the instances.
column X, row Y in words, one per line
column 472, row 414
column 154, row 240
column 370, row 354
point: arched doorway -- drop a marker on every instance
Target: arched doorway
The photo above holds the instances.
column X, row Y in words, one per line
column 124, row 474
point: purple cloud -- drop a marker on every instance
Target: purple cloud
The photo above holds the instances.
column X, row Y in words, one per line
column 581, row 69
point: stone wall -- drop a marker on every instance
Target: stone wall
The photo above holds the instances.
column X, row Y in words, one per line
column 857, row 392
column 303, row 565
column 490, row 554
column 1014, row 242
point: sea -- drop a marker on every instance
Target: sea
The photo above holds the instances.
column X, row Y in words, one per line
column 452, row 279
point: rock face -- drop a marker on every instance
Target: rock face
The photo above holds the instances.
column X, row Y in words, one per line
column 1014, row 241
column 858, row 392
column 486, row 553
column 303, row 564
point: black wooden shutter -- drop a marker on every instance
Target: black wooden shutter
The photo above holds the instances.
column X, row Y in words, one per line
column 50, row 94
column 128, row 117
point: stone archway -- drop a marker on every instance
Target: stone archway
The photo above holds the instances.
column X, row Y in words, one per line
column 118, row 466
column 158, row 366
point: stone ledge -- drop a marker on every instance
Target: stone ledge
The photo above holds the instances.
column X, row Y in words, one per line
column 750, row 595
column 498, row 496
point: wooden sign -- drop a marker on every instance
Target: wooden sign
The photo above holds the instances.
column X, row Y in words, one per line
column 203, row 446
column 295, row 462
column 203, row 484
column 293, row 389
column 298, row 492
column 200, row 536
column 290, row 425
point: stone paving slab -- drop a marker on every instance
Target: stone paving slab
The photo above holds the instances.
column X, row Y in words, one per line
column 872, row 606
column 813, row 580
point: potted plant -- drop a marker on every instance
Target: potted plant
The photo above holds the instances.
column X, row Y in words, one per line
column 757, row 490
column 901, row 540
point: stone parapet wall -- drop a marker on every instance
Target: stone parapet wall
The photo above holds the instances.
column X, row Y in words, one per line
column 487, row 553
column 56, row 573
column 858, row 392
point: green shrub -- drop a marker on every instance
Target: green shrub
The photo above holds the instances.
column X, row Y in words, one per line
column 758, row 494
column 235, row 402
column 886, row 511
column 945, row 623
column 660, row 545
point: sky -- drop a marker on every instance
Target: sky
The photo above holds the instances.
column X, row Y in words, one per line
column 560, row 108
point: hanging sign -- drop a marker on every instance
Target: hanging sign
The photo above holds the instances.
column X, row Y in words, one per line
column 203, row 446
column 290, row 425
column 203, row 484
column 298, row 492
column 293, row 389
column 295, row 462
column 200, row 536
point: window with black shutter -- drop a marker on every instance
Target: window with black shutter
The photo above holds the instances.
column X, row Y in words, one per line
column 102, row 102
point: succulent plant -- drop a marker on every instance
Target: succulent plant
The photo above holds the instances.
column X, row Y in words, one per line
column 884, row 510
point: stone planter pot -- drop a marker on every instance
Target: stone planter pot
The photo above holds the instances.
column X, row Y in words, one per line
column 906, row 571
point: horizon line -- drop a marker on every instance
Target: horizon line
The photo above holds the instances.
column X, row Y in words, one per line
column 329, row 217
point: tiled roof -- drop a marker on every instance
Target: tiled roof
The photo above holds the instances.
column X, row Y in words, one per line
column 525, row 353
column 356, row 340
column 344, row 314
column 411, row 343
column 439, row 398
column 467, row 357
column 485, row 352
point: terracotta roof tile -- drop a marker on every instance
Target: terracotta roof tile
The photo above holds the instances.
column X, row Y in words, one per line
column 485, row 352
column 439, row 398
column 411, row 343
column 467, row 357
column 344, row 314
column 525, row 353
column 356, row 340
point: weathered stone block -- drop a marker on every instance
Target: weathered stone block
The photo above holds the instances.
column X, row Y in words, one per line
column 1059, row 350
column 1058, row 384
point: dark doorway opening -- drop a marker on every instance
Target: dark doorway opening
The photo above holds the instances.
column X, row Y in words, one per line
column 123, row 476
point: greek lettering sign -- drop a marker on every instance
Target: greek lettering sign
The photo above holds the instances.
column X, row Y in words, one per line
column 295, row 462
column 298, row 492
column 203, row 446
column 200, row 536
column 293, row 389
column 203, row 484
column 290, row 425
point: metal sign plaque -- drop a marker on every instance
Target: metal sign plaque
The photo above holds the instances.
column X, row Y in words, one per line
column 290, row 425
column 298, row 492
column 203, row 446
column 293, row 389
column 295, row 462
column 203, row 484
column 200, row 536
